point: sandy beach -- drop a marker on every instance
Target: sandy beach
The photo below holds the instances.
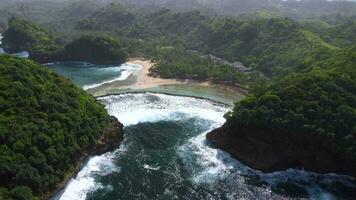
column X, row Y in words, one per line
column 144, row 80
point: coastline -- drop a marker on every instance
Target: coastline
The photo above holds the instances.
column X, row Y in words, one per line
column 111, row 138
column 143, row 81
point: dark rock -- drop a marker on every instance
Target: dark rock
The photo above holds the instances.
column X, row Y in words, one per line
column 271, row 150
column 112, row 136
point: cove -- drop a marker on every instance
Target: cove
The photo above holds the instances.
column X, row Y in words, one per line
column 165, row 156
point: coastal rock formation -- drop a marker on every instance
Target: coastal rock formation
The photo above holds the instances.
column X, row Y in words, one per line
column 270, row 151
column 302, row 121
column 111, row 137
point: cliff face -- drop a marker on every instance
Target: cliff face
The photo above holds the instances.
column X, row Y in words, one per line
column 270, row 151
column 112, row 136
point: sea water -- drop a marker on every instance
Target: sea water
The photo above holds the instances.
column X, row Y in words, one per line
column 165, row 155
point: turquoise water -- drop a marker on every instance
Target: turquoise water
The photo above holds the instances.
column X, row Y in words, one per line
column 88, row 75
column 165, row 156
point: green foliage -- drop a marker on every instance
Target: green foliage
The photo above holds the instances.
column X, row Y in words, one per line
column 95, row 49
column 273, row 46
column 24, row 35
column 22, row 193
column 113, row 16
column 45, row 122
column 320, row 102
column 44, row 47
column 177, row 63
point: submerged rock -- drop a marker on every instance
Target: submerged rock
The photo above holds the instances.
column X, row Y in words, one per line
column 270, row 151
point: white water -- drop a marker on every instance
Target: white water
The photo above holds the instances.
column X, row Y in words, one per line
column 1, row 49
column 213, row 164
column 22, row 54
column 131, row 109
column 125, row 70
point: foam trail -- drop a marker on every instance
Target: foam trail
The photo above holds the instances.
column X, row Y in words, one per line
column 84, row 182
column 131, row 109
column 208, row 164
column 125, row 70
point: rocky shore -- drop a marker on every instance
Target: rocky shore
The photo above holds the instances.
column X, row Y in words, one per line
column 270, row 151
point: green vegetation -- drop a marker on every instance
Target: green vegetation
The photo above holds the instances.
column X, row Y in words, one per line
column 44, row 47
column 308, row 61
column 95, row 49
column 45, row 124
column 273, row 46
column 103, row 19
column 320, row 102
column 25, row 35
column 177, row 63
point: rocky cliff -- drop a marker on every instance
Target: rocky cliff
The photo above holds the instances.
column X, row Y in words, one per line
column 269, row 151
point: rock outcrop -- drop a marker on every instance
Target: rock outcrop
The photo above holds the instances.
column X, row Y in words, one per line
column 270, row 151
column 112, row 136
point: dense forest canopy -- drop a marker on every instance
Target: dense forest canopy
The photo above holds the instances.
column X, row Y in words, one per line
column 43, row 46
column 321, row 102
column 45, row 123
column 300, row 56
column 273, row 46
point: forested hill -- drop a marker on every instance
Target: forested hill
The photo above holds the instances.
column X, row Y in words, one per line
column 44, row 46
column 236, row 7
column 273, row 46
column 46, row 124
column 302, row 121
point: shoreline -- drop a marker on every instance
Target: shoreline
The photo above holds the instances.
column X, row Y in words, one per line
column 111, row 138
column 143, row 81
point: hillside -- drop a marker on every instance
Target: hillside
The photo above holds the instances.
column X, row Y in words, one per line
column 43, row 46
column 25, row 35
column 273, row 46
column 47, row 125
column 302, row 121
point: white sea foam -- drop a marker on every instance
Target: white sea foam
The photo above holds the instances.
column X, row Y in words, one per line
column 125, row 70
column 149, row 167
column 79, row 186
column 132, row 109
column 213, row 164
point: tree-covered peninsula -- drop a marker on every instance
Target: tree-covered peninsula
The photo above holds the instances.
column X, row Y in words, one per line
column 302, row 121
column 44, row 46
column 47, row 125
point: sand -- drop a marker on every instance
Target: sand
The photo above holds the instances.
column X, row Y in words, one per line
column 144, row 80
